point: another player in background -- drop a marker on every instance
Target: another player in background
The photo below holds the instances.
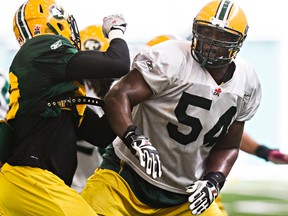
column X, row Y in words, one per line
column 4, row 104
column 179, row 115
column 4, row 95
column 89, row 157
column 48, row 108
column 250, row 146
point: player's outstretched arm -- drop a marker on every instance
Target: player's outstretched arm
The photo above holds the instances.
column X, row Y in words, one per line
column 250, row 146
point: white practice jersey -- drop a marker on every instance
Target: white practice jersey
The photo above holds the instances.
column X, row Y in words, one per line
column 187, row 112
column 4, row 96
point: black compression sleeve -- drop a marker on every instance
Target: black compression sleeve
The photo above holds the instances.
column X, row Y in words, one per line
column 113, row 63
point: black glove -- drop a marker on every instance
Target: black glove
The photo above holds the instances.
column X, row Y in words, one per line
column 204, row 192
column 141, row 147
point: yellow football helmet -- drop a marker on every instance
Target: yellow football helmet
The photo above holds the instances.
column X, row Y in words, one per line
column 159, row 39
column 37, row 17
column 225, row 17
column 92, row 38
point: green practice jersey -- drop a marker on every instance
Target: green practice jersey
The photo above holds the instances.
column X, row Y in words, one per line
column 37, row 73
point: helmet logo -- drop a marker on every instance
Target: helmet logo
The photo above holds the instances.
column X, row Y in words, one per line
column 37, row 30
column 92, row 45
column 217, row 22
column 20, row 40
column 57, row 12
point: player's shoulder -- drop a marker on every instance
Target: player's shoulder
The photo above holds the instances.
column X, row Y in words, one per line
column 44, row 46
column 242, row 62
column 246, row 72
column 46, row 43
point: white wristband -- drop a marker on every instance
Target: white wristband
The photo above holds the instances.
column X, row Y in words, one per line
column 115, row 33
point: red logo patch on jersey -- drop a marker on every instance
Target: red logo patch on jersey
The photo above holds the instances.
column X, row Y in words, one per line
column 217, row 91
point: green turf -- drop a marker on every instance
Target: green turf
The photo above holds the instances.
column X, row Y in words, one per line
column 256, row 198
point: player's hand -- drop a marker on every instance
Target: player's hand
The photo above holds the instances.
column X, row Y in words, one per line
column 113, row 22
column 204, row 192
column 273, row 155
column 277, row 157
column 141, row 147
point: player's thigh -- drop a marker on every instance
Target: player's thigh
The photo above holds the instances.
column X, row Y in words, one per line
column 109, row 194
column 1, row 212
column 38, row 192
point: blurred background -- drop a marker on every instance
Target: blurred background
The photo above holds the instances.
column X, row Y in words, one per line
column 254, row 187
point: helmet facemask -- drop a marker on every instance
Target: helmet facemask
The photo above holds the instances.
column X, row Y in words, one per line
column 75, row 35
column 213, row 52
column 219, row 30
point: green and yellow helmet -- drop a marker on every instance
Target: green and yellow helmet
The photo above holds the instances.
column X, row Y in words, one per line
column 37, row 17
column 224, row 16
column 92, row 38
column 159, row 39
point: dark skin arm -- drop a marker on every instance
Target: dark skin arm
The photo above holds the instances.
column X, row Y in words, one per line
column 131, row 90
column 225, row 152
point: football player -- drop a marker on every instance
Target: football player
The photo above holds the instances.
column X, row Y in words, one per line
column 48, row 108
column 248, row 144
column 4, row 101
column 179, row 115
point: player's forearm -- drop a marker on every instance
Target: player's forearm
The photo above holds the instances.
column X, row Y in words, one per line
column 248, row 145
column 221, row 160
column 118, row 111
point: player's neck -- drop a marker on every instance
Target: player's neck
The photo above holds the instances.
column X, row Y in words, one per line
column 223, row 74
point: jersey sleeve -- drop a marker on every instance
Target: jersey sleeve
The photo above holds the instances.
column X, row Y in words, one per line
column 252, row 95
column 46, row 54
